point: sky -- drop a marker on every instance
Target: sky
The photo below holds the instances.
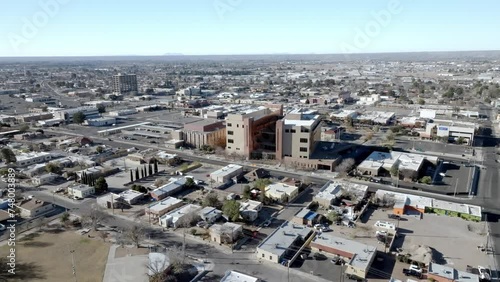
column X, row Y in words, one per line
column 217, row 27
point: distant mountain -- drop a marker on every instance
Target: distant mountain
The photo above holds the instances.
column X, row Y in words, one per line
column 173, row 54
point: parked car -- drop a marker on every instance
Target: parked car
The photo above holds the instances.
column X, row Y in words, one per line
column 415, row 268
column 267, row 223
column 484, row 273
column 336, row 260
column 410, row 272
column 393, row 216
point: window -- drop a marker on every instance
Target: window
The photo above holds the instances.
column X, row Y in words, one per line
column 237, row 125
column 230, row 141
column 243, row 126
column 229, row 147
column 287, row 130
column 229, row 125
column 270, row 257
column 304, row 130
column 303, row 140
column 263, row 255
column 292, row 130
column 303, row 149
column 230, row 132
column 237, row 149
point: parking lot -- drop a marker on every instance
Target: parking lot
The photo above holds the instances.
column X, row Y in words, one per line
column 454, row 240
column 457, row 176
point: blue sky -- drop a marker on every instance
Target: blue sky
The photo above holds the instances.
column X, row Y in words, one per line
column 195, row 27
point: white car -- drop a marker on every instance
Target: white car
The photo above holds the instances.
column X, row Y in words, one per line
column 319, row 226
column 416, row 268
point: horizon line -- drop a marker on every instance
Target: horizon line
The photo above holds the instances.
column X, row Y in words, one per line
column 174, row 54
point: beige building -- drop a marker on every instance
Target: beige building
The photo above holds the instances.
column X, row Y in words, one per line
column 33, row 207
column 281, row 192
column 81, row 191
column 124, row 83
column 297, row 137
column 226, row 233
column 252, row 132
column 210, row 132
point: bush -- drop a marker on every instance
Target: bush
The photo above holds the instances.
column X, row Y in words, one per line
column 192, row 231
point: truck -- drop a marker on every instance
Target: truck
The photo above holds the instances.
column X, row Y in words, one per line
column 411, row 272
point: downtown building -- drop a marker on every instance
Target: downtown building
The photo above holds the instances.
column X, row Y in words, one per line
column 124, row 83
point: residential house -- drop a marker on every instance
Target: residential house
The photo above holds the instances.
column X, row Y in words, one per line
column 249, row 210
column 226, row 233
column 34, row 207
column 210, row 214
column 81, row 191
column 160, row 208
column 176, row 217
column 281, row 192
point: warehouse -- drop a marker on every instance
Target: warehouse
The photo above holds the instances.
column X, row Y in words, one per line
column 225, row 174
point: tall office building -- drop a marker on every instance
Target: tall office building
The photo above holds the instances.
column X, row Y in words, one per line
column 252, row 132
column 124, row 83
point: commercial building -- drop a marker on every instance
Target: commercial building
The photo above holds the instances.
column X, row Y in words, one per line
column 250, row 209
column 27, row 159
column 81, row 191
column 67, row 114
column 33, row 117
column 452, row 130
column 411, row 204
column 102, row 121
column 174, row 218
column 210, row 132
column 160, row 208
column 124, row 112
column 334, row 190
column 225, row 174
column 305, row 216
column 236, row 276
column 376, row 117
column 40, row 99
column 173, row 186
column 283, row 242
column 281, row 192
column 251, row 132
column 381, row 163
column 124, row 83
column 358, row 256
column 33, row 207
column 131, row 197
column 226, row 233
column 444, row 273
column 297, row 134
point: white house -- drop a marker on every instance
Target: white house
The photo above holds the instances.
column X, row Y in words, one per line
column 130, row 196
column 81, row 191
column 281, row 192
column 210, row 214
column 44, row 179
column 175, row 217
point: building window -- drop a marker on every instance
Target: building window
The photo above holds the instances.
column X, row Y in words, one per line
column 263, row 255
column 292, row 130
column 229, row 147
column 243, row 126
column 230, row 132
column 237, row 149
column 230, row 141
column 229, row 125
column 303, row 140
column 303, row 149
column 304, row 130
column 270, row 257
column 287, row 130
column 237, row 125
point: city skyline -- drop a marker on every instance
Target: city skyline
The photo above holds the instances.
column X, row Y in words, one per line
column 224, row 27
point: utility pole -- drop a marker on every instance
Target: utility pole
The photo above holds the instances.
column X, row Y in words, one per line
column 397, row 178
column 73, row 263
column 112, row 204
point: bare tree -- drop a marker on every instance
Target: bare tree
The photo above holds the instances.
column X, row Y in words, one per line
column 345, row 165
column 103, row 235
column 135, row 234
column 187, row 221
column 94, row 217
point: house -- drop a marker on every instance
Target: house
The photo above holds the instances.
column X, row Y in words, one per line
column 225, row 174
column 34, row 207
column 160, row 208
column 81, row 191
column 175, row 218
column 258, row 173
column 358, row 256
column 305, row 216
column 236, row 276
column 281, row 192
column 226, row 233
column 381, row 163
column 94, row 171
column 283, row 242
column 109, row 201
column 443, row 273
column 27, row 159
column 249, row 210
column 210, row 214
column 173, row 186
column 130, row 196
column 45, row 179
column 334, row 190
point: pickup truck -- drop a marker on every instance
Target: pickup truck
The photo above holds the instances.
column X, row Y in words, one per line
column 409, row 272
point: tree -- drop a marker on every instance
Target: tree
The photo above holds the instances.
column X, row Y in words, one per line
column 390, row 137
column 246, row 192
column 99, row 149
column 426, row 180
column 156, row 166
column 307, row 102
column 8, row 156
column 189, row 183
column 78, row 117
column 231, row 209
column 136, row 173
column 211, row 200
column 101, row 108
column 135, row 234
column 394, row 170
column 53, row 167
column 24, row 128
column 345, row 165
column 94, row 217
column 421, row 101
column 262, row 183
column 101, row 184
column 65, row 218
column 131, row 176
column 333, row 216
column 460, row 140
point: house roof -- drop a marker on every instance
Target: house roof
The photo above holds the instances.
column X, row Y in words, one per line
column 32, row 204
column 283, row 237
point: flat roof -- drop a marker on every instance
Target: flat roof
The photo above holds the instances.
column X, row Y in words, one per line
column 179, row 212
column 32, row 155
column 278, row 188
column 408, row 161
column 172, row 185
column 235, row 276
column 231, row 168
column 334, row 189
column 164, row 204
column 283, row 237
column 130, row 194
column 363, row 254
column 81, row 187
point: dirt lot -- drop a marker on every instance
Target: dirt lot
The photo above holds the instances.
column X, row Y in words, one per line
column 46, row 257
column 455, row 240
